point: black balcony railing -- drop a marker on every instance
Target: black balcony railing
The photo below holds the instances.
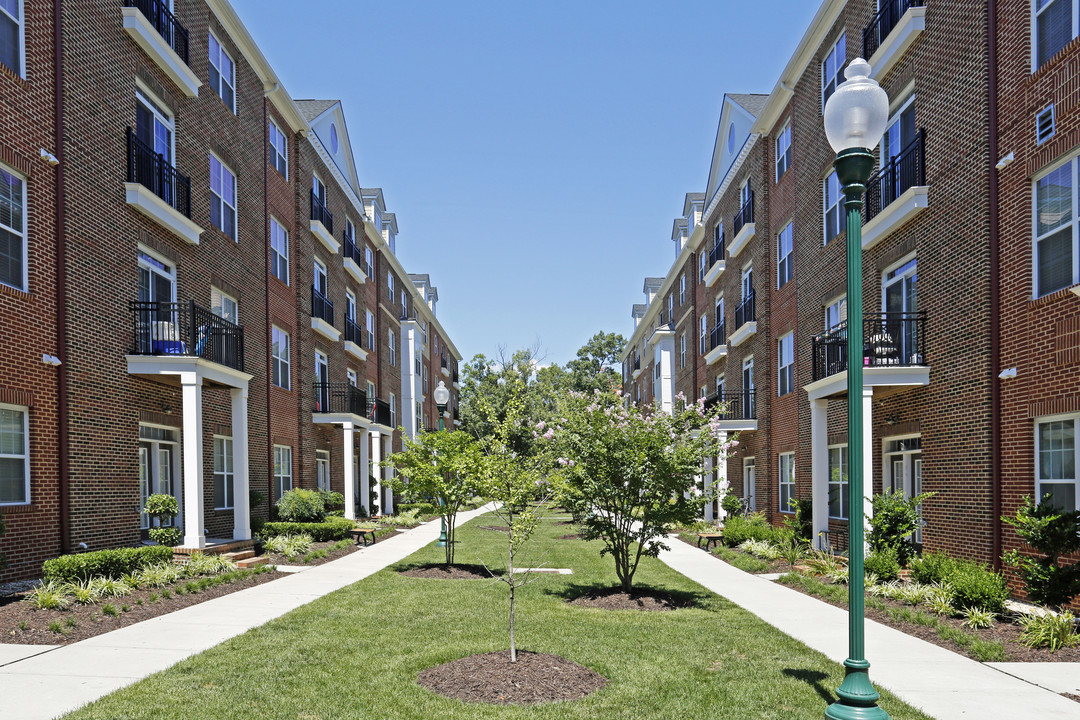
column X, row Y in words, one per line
column 744, row 311
column 355, row 334
column 184, row 328
column 716, row 252
column 737, row 405
column 340, row 397
column 745, row 216
column 454, row 375
column 320, row 213
column 354, row 252
column 718, row 335
column 907, row 169
column 321, row 306
column 636, row 365
column 378, row 412
column 445, row 363
column 889, row 339
column 887, row 18
column 172, row 32
column 152, row 170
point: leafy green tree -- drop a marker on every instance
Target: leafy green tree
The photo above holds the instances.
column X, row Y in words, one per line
column 895, row 519
column 444, row 466
column 597, row 363
column 486, row 389
column 1053, row 532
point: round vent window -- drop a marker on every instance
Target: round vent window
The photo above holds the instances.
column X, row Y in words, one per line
column 333, row 138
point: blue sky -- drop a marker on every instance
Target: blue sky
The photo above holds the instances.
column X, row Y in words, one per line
column 535, row 154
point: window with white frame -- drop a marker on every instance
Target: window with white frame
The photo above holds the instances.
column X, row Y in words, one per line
column 787, row 481
column 785, row 255
column 369, row 262
column 426, row 380
column 703, row 335
column 720, row 385
column 322, row 469
column 671, row 307
column 703, row 266
column 838, row 482
column 833, row 205
column 419, row 417
column 370, row 328
column 370, row 391
column 222, row 197
column 835, row 314
column 785, row 360
column 682, row 289
column 222, row 74
column 1057, row 457
column 14, row 270
column 282, row 470
column 393, row 410
column 280, row 354
column 223, row 472
column 350, row 375
column 11, row 35
column 14, row 455
column 390, row 285
column 350, row 306
column 783, row 151
column 393, row 347
column 1056, row 251
column 224, row 305
column 279, row 251
column 279, row 157
column 682, row 350
column 1055, row 24
column 832, row 68
column 154, row 125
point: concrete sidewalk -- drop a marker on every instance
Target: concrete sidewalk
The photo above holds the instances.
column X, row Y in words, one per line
column 941, row 683
column 41, row 681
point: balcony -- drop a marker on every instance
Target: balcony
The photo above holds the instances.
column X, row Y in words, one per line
column 340, row 399
column 892, row 31
column 717, row 343
column 740, row 410
column 322, row 316
column 166, row 337
column 355, row 339
column 354, row 261
column 157, row 32
column 717, row 265
column 158, row 191
column 456, row 381
column 896, row 193
column 743, row 226
column 378, row 412
column 322, row 224
column 745, row 321
column 894, row 355
column 445, row 369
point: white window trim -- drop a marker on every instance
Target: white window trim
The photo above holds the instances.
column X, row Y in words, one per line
column 784, row 134
column 236, row 198
column 286, row 361
column 278, row 478
column 26, row 452
column 393, row 410
column 1034, row 35
column 282, row 259
column 780, row 282
column 392, row 355
column 322, row 457
column 1075, row 417
column 830, row 482
column 225, row 296
column 781, row 366
column 789, row 458
column 21, row 70
column 682, row 351
column 282, row 152
column 158, row 109
column 23, row 232
column 231, row 82
column 1074, row 160
column 229, row 476
column 839, row 77
column 840, row 227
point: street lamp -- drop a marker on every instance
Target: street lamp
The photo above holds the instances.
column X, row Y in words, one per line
column 442, row 397
column 855, row 117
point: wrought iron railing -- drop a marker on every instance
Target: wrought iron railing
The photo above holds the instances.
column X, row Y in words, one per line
column 320, row 213
column 636, row 365
column 889, row 339
column 184, row 328
column 445, row 363
column 907, row 169
column 718, row 335
column 321, row 306
column 887, row 18
column 454, row 375
column 378, row 412
column 171, row 31
column 738, row 405
column 355, row 334
column 745, row 216
column 744, row 311
column 340, row 397
column 355, row 253
column 716, row 252
column 152, row 170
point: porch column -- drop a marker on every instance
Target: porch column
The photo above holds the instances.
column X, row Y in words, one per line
column 191, row 387
column 241, row 498
column 388, row 495
column 708, row 487
column 819, row 468
column 868, row 461
column 350, row 479
column 365, row 480
column 376, row 470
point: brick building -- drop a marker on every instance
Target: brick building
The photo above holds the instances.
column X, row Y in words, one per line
column 972, row 322
column 216, row 320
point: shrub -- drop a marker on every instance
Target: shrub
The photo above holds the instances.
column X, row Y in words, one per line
column 48, row 596
column 973, row 584
column 85, row 592
column 423, row 508
column 977, row 619
column 331, row 529
column 1053, row 532
column 406, row 519
column 109, row 609
column 1048, row 630
column 895, row 519
column 332, row 499
column 802, row 523
column 159, row 575
column 739, row 529
column 289, row 545
column 760, row 548
column 163, row 507
column 104, row 563
column 731, row 504
column 822, row 563
column 167, row 536
column 299, row 505
column 110, row 587
column 884, row 563
column 201, row 564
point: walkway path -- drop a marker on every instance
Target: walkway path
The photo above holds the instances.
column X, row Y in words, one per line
column 942, row 683
column 41, row 682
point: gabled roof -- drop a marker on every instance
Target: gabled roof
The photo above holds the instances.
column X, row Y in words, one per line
column 327, row 121
column 638, row 310
column 652, row 283
column 753, row 103
column 691, row 200
column 312, row 109
column 732, row 133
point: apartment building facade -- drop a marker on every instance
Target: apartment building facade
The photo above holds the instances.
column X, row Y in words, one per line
column 183, row 314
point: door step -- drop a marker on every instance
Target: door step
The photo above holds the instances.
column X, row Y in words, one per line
column 239, row 555
column 253, row 562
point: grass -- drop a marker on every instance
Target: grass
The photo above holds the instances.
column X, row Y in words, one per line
column 357, row 651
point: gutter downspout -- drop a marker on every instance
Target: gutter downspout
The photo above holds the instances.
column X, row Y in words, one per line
column 995, row 286
column 61, row 287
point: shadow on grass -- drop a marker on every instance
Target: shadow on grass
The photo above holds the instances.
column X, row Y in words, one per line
column 437, row 570
column 672, row 599
column 812, row 678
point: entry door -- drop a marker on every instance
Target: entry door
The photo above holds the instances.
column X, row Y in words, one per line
column 916, row 478
column 750, row 484
column 322, row 469
column 901, row 302
column 155, row 476
column 144, row 483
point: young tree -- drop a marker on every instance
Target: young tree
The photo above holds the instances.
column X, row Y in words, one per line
column 632, row 473
column 441, row 465
column 1052, row 531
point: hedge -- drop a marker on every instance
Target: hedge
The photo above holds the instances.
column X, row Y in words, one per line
column 975, row 584
column 423, row 508
column 333, row 528
column 104, row 563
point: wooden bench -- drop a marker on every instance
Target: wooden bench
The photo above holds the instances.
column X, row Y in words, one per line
column 709, row 538
column 363, row 533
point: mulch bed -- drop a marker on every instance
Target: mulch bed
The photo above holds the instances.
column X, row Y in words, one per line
column 89, row 619
column 496, row 528
column 442, row 572
column 492, row 678
column 616, row 599
column 278, row 559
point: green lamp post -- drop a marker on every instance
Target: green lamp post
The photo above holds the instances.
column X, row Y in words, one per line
column 442, row 398
column 855, row 117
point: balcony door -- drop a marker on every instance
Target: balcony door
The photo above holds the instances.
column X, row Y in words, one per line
column 750, row 484
column 899, row 134
column 158, row 330
column 158, row 466
column 154, row 127
column 748, row 282
column 900, row 299
column 747, row 388
column 319, row 189
column 903, row 468
column 322, row 379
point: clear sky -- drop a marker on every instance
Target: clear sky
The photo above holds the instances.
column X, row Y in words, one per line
column 535, row 154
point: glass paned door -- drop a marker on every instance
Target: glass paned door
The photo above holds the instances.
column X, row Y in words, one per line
column 750, row 484
column 901, row 302
column 156, row 468
column 144, row 483
column 899, row 134
column 322, row 469
column 747, row 388
column 916, row 478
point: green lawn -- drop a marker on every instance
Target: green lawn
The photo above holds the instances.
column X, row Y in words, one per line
column 356, row 653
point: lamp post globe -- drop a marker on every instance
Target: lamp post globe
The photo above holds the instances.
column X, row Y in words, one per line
column 855, row 118
column 442, row 398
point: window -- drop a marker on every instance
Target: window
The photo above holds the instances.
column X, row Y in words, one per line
column 319, row 189
column 279, row 158
column 14, row 455
column 322, row 469
column 835, row 314
column 282, row 470
column 157, row 283
column 1056, row 252
column 13, row 248
column 745, row 193
column 224, row 306
column 747, row 282
column 832, row 69
column 785, row 255
column 279, row 251
column 393, row 347
column 682, row 289
column 671, row 307
column 419, row 417
column 425, row 374
column 350, row 306
column 369, row 262
column 838, row 482
column 153, row 125
column 720, row 310
column 682, row 350
column 280, row 354
column 720, row 385
column 11, row 35
column 222, row 74
column 223, row 472
column 703, row 263
column 435, row 343
column 1056, row 460
column 393, row 410
column 370, row 329
column 703, row 335
column 834, row 208
column 1055, row 26
column 783, row 151
column 370, row 391
column 350, row 374
column 785, row 360
column 787, row 481
column 222, row 198
column 322, row 372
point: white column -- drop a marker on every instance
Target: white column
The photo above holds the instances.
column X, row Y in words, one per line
column 350, row 480
column 376, row 470
column 365, row 481
column 819, row 467
column 665, row 359
column 867, row 458
column 387, row 495
column 241, row 515
column 708, row 487
column 191, row 386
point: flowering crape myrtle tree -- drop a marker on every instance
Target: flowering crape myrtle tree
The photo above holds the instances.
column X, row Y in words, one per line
column 630, row 474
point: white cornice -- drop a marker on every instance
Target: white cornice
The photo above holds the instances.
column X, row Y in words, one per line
column 714, row 202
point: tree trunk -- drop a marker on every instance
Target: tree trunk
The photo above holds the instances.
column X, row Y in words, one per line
column 513, row 647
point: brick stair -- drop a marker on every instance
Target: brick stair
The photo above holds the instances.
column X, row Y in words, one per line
column 252, row 562
column 239, row 555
